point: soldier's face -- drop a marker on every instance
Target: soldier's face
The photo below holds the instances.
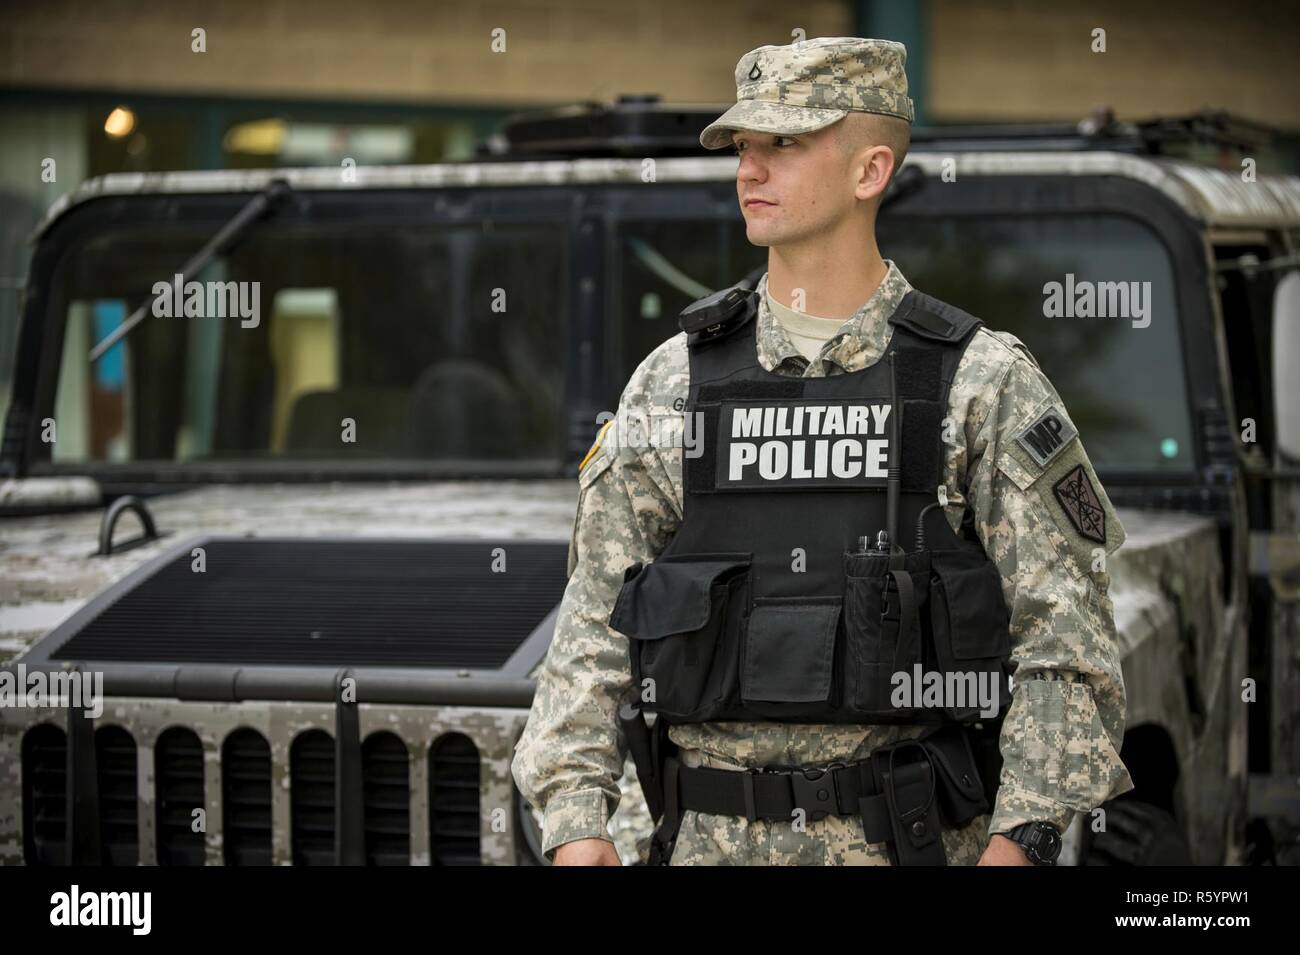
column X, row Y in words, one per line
column 793, row 188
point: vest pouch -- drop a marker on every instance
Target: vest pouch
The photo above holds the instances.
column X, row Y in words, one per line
column 970, row 622
column 677, row 613
column 789, row 655
column 876, row 643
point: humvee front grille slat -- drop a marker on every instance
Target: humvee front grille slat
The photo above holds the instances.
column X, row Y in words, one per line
column 454, row 801
column 246, row 798
column 116, row 767
column 311, row 785
column 178, row 778
column 387, row 800
column 45, row 806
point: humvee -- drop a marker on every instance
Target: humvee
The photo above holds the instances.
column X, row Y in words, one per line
column 355, row 500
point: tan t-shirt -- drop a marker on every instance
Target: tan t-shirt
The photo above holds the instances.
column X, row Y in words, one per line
column 807, row 332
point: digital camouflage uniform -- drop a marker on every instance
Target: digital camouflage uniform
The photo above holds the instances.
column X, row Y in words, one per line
column 1061, row 735
column 1047, row 527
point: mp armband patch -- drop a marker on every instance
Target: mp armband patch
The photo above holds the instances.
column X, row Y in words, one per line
column 1044, row 439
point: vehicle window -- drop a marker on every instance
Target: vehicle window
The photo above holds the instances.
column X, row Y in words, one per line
column 1122, row 376
column 416, row 342
column 666, row 265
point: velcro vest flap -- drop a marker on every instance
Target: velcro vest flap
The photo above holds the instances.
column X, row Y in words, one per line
column 930, row 318
column 670, row 596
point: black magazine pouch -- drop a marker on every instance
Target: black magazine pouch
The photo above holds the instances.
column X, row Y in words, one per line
column 683, row 617
column 970, row 621
column 788, row 660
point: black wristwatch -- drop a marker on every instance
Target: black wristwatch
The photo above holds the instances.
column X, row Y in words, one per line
column 1040, row 840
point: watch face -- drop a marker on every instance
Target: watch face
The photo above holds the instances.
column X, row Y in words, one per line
column 1048, row 843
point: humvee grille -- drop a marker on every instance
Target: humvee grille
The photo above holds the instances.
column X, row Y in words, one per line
column 397, row 603
column 247, row 772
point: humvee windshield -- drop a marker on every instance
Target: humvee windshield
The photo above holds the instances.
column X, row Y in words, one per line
column 432, row 342
column 456, row 342
column 1121, row 377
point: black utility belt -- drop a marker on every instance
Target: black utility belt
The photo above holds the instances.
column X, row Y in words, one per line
column 918, row 640
column 906, row 793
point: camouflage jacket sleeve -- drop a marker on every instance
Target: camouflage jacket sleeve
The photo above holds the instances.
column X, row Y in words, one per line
column 572, row 752
column 1046, row 520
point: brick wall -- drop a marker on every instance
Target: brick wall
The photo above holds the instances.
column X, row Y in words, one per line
column 1020, row 60
column 412, row 50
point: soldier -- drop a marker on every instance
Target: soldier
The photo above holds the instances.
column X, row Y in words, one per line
column 768, row 617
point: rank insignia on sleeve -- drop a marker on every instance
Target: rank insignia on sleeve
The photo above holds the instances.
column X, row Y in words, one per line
column 1081, row 505
column 1045, row 438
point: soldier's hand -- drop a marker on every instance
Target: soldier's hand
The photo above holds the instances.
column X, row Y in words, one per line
column 1002, row 851
column 587, row 852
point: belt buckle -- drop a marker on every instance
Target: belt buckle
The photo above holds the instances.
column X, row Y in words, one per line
column 815, row 791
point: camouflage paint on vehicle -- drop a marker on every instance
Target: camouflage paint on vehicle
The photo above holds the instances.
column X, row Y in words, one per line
column 1176, row 633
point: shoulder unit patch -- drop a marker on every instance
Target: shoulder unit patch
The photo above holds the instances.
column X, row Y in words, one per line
column 1079, row 500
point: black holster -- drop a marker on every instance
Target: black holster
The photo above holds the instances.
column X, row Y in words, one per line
column 650, row 749
column 929, row 784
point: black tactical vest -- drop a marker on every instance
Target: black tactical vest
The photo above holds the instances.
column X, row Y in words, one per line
column 764, row 605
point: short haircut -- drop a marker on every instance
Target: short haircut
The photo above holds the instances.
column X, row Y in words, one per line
column 861, row 130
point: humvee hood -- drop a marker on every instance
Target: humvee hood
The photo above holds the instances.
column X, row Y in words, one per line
column 50, row 573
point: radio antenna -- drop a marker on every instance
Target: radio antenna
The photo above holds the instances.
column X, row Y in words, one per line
column 893, row 479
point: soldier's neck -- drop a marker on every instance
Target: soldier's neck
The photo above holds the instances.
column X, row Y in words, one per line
column 829, row 278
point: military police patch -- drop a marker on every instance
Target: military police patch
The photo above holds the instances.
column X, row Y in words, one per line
column 1045, row 438
column 1081, row 504
column 831, row 443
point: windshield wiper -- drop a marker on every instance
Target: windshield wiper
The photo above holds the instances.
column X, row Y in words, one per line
column 669, row 274
column 226, row 238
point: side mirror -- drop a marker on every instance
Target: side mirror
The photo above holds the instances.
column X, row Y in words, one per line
column 1286, row 366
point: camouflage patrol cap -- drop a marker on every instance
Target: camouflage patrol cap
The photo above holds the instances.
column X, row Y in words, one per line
column 804, row 86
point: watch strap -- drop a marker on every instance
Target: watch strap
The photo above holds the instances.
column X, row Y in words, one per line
column 1040, row 840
